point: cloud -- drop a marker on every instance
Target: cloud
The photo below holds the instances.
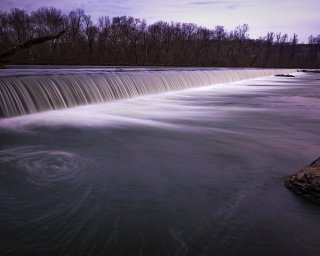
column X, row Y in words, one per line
column 234, row 6
column 231, row 5
column 207, row 2
column 94, row 8
column 224, row 3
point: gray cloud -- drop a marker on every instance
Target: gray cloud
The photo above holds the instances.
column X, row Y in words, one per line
column 234, row 6
column 224, row 4
column 211, row 2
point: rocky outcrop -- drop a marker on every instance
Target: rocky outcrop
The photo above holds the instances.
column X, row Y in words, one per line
column 307, row 182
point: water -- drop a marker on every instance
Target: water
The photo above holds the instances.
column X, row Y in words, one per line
column 195, row 172
column 26, row 91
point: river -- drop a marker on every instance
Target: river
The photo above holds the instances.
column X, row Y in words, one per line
column 195, row 172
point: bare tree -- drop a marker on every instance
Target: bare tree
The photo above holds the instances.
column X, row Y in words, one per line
column 74, row 22
column 104, row 36
column 128, row 40
column 219, row 35
column 19, row 22
column 91, row 32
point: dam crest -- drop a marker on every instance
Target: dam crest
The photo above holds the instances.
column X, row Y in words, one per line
column 32, row 93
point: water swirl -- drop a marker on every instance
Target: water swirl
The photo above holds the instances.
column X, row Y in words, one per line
column 40, row 166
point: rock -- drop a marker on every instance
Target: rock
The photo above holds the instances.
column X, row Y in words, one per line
column 309, row 70
column 307, row 182
column 285, row 75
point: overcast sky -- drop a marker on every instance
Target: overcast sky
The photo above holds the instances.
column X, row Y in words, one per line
column 286, row 16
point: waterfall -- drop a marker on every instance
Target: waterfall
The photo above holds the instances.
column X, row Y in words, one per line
column 20, row 95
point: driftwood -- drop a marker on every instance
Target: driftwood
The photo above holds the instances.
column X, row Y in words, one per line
column 27, row 45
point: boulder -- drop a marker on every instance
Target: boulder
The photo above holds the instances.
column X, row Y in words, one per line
column 307, row 182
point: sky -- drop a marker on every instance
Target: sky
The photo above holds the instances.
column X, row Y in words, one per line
column 286, row 16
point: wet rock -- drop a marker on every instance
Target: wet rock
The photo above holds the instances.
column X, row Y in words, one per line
column 307, row 182
column 309, row 70
column 285, row 75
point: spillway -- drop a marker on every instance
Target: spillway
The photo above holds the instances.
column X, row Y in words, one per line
column 30, row 93
column 193, row 172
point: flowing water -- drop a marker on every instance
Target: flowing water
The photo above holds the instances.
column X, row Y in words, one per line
column 30, row 91
column 194, row 172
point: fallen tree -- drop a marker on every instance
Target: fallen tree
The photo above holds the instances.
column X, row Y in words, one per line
column 26, row 45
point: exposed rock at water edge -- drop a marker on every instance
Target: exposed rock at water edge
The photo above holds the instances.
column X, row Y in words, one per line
column 285, row 75
column 307, row 182
column 310, row 70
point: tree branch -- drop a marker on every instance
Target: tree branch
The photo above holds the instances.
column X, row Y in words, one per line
column 28, row 44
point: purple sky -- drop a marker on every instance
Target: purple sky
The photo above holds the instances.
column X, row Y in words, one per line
column 286, row 16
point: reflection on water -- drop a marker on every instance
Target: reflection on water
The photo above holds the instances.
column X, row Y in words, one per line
column 198, row 172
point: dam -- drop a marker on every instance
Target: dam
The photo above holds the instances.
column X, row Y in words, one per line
column 154, row 161
column 30, row 93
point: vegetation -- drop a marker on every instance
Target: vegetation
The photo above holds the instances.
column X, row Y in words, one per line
column 131, row 41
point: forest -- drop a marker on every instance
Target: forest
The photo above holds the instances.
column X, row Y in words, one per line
column 131, row 41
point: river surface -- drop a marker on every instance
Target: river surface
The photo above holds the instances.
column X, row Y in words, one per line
column 196, row 172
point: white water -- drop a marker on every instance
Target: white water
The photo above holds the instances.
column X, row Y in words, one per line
column 23, row 94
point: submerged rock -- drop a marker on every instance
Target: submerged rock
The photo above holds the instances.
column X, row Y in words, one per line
column 307, row 182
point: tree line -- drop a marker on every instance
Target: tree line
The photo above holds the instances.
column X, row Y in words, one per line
column 131, row 41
